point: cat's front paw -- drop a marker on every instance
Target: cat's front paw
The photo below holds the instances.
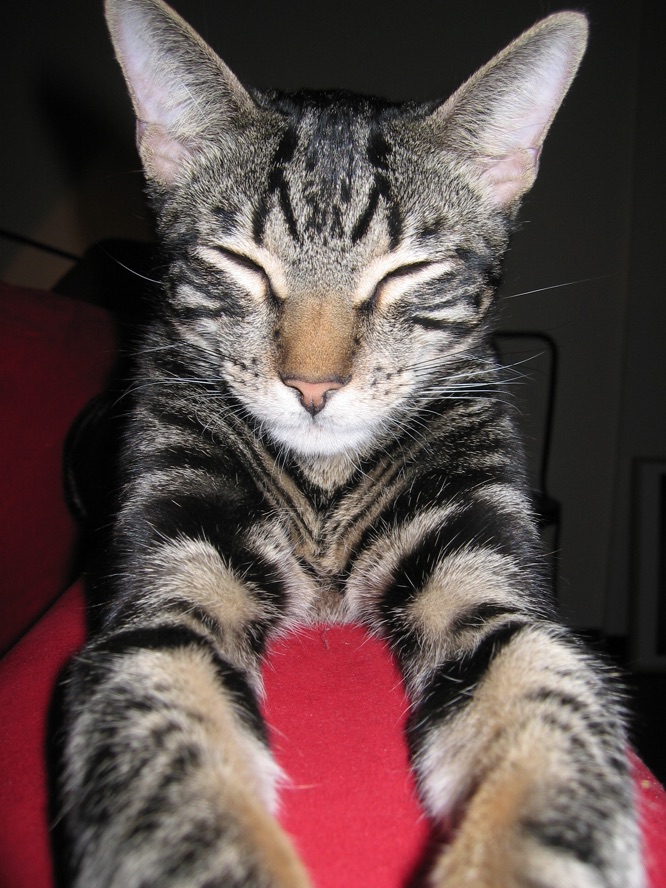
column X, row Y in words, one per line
column 505, row 864
column 517, row 859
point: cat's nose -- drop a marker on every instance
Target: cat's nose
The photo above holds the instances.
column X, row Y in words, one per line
column 314, row 394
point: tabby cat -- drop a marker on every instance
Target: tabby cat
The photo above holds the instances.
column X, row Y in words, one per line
column 319, row 434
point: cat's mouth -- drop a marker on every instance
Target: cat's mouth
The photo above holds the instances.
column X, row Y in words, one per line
column 319, row 435
column 322, row 420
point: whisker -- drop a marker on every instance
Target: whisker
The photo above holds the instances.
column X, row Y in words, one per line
column 600, row 277
column 131, row 270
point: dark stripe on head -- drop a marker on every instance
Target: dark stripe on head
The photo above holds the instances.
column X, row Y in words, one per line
column 379, row 150
column 363, row 223
column 277, row 184
column 227, row 220
column 378, row 153
column 380, row 189
column 485, row 266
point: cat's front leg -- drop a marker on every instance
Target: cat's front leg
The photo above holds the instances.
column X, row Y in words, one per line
column 516, row 735
column 517, row 741
column 168, row 777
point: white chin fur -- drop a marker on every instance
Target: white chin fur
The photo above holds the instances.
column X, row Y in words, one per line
column 341, row 427
column 315, row 438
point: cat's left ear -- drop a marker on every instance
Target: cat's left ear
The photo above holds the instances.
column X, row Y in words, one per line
column 499, row 118
column 182, row 93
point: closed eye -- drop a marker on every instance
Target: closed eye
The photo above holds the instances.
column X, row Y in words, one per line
column 404, row 271
column 242, row 261
column 397, row 281
column 250, row 275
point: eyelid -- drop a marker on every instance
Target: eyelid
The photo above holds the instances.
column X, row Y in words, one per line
column 242, row 260
column 419, row 270
column 255, row 276
column 406, row 270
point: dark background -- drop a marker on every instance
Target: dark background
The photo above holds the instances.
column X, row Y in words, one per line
column 591, row 243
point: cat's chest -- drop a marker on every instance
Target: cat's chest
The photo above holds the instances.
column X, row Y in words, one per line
column 325, row 532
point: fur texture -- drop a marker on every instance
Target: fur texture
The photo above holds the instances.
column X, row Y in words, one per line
column 319, row 433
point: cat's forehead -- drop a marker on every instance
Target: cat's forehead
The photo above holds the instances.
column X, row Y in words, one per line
column 333, row 191
column 330, row 168
column 325, row 189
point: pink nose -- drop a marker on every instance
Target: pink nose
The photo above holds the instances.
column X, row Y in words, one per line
column 314, row 394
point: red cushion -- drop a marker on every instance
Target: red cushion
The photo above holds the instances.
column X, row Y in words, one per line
column 56, row 353
column 336, row 710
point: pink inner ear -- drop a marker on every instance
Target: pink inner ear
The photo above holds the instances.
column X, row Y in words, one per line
column 511, row 175
column 162, row 154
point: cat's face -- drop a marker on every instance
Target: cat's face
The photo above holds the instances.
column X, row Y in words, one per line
column 334, row 258
column 351, row 280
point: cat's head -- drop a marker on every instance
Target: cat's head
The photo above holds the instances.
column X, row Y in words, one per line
column 334, row 258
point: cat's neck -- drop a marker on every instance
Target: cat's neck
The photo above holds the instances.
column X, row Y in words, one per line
column 328, row 473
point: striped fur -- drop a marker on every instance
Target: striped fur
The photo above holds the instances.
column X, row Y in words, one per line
column 319, row 433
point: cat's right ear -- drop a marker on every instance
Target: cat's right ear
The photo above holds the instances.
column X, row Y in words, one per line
column 183, row 94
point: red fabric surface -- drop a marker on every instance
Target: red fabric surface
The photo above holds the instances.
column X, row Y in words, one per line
column 27, row 677
column 652, row 808
column 335, row 708
column 55, row 355
column 336, row 711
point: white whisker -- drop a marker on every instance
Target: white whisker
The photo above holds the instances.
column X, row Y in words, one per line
column 601, row 277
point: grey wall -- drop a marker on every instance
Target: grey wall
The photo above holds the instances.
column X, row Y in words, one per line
column 592, row 231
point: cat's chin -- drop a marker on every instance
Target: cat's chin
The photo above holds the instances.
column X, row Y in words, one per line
column 321, row 436
column 317, row 441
